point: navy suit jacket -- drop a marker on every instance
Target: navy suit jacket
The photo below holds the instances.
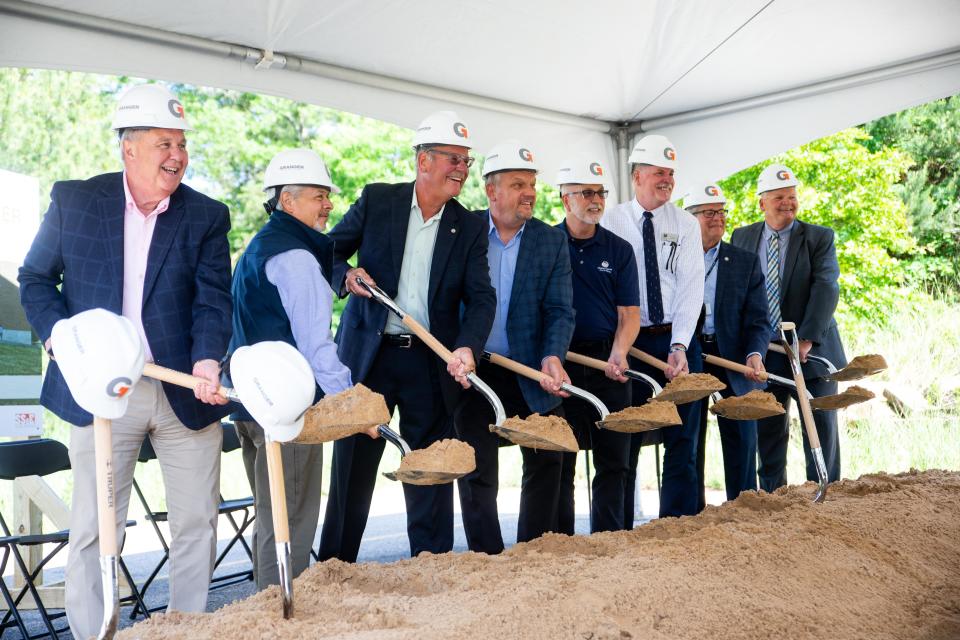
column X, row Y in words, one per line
column 809, row 291
column 540, row 317
column 186, row 295
column 740, row 311
column 375, row 229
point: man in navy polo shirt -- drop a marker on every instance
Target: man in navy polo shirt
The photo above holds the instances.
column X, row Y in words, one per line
column 606, row 297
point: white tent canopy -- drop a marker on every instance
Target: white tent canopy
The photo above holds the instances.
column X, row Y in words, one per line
column 731, row 83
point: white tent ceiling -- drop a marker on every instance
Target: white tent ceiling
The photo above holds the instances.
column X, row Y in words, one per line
column 731, row 83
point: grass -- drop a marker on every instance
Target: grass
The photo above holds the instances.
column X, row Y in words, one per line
column 19, row 360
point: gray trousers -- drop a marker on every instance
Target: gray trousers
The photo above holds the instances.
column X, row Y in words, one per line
column 302, row 475
column 190, row 463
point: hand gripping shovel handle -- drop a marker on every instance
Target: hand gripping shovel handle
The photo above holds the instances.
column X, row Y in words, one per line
column 539, row 376
column 107, row 525
column 717, row 361
column 281, row 526
column 600, row 365
column 831, row 368
column 184, row 380
column 500, row 414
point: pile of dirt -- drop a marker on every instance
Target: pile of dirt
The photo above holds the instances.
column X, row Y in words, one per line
column 861, row 367
column 343, row 414
column 849, row 396
column 652, row 415
column 450, row 455
column 549, row 433
column 690, row 387
column 879, row 559
column 751, row 406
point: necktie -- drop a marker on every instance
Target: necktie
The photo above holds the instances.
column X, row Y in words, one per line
column 773, row 279
column 652, row 271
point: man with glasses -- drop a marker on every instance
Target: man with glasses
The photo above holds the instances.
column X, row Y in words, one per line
column 606, row 298
column 666, row 242
column 428, row 253
column 735, row 327
column 801, row 272
column 530, row 270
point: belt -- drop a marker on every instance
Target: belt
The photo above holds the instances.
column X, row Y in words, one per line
column 656, row 329
column 707, row 338
column 401, row 340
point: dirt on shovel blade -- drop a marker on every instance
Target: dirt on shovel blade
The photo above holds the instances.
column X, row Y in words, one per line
column 751, row 406
column 343, row 414
column 443, row 461
column 860, row 367
column 548, row 433
column 849, row 396
column 652, row 415
column 690, row 387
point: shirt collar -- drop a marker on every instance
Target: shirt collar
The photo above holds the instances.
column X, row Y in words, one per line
column 414, row 205
column 768, row 230
column 638, row 209
column 712, row 251
column 131, row 205
column 492, row 229
column 583, row 241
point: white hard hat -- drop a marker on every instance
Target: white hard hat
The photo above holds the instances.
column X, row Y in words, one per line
column 149, row 105
column 655, row 150
column 509, row 155
column 101, row 358
column 581, row 170
column 776, row 176
column 704, row 194
column 298, row 166
column 275, row 384
column 442, row 127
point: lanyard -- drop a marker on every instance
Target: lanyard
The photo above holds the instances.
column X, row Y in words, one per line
column 712, row 266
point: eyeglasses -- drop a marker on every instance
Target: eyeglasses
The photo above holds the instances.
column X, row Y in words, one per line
column 587, row 194
column 455, row 158
column 713, row 213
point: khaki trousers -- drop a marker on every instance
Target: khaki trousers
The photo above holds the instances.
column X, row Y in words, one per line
column 302, row 475
column 190, row 463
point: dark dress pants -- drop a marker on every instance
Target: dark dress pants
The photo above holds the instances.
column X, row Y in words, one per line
column 773, row 434
column 409, row 380
column 540, row 488
column 610, row 449
column 738, row 440
column 679, row 494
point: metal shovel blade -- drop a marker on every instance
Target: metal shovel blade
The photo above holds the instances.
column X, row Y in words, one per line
column 413, row 476
column 286, row 578
column 851, row 396
column 109, row 569
column 858, row 368
column 531, row 441
column 638, row 419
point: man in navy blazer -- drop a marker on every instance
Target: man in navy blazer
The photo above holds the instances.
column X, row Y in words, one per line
column 418, row 244
column 141, row 244
column 804, row 290
column 735, row 327
column 530, row 269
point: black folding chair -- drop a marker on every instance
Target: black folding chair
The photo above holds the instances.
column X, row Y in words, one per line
column 36, row 458
column 228, row 508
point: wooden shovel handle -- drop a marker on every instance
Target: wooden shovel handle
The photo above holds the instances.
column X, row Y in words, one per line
column 587, row 361
column 649, row 359
column 278, row 492
column 106, row 496
column 427, row 338
column 731, row 365
column 776, row 347
column 178, row 378
column 516, row 367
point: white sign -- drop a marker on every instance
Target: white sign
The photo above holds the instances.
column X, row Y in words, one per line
column 19, row 217
column 21, row 420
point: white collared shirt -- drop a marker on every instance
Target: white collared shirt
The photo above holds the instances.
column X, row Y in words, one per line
column 679, row 254
column 413, row 289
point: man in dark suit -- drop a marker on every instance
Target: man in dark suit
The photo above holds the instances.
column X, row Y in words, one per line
column 141, row 244
column 801, row 271
column 735, row 327
column 530, row 270
column 426, row 251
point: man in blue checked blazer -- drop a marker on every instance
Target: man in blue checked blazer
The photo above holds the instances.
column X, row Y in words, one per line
column 141, row 244
column 530, row 269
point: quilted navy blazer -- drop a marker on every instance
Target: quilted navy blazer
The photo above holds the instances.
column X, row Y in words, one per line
column 461, row 302
column 186, row 296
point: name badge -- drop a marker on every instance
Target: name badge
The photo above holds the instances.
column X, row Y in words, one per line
column 671, row 237
column 709, row 308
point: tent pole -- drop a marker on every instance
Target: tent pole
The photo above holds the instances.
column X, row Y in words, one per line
column 621, row 140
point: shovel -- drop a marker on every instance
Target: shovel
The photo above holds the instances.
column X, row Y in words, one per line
column 413, row 476
column 678, row 396
column 427, row 338
column 792, row 351
column 107, row 524
column 837, row 400
column 858, row 368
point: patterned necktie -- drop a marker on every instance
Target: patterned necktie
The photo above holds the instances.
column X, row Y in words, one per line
column 652, row 271
column 773, row 280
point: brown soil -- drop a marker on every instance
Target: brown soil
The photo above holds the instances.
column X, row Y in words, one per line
column 653, row 415
column 343, row 414
column 690, row 387
column 751, row 406
column 851, row 395
column 879, row 559
column 549, row 433
column 451, row 455
column 860, row 367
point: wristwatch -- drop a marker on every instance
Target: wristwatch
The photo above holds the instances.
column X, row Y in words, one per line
column 677, row 347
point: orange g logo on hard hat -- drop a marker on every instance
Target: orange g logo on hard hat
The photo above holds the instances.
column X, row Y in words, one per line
column 118, row 387
column 596, row 169
column 783, row 175
column 176, row 109
column 526, row 155
column 461, row 130
column 711, row 191
column 669, row 153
